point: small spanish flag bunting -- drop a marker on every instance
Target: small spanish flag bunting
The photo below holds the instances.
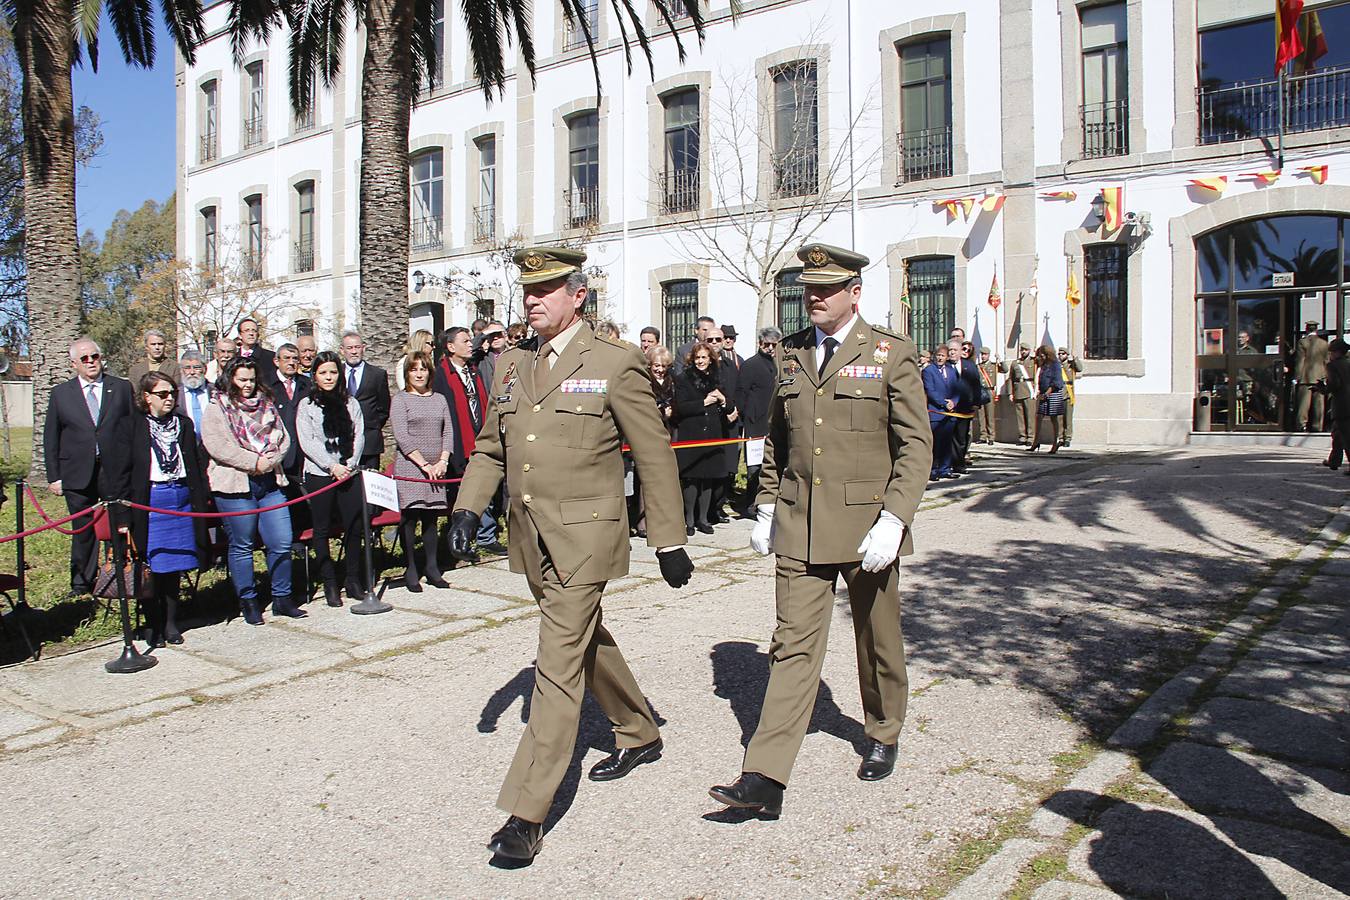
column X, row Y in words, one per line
column 1071, row 294
column 1317, row 173
column 967, row 204
column 1263, row 178
column 995, row 296
column 948, row 205
column 1114, row 213
column 993, row 202
column 1214, row 185
column 1060, row 195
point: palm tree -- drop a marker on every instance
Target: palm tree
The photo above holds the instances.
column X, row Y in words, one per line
column 400, row 56
column 50, row 37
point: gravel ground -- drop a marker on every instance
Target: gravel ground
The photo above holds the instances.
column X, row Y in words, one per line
column 1047, row 599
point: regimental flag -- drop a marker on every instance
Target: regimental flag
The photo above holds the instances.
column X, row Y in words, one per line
column 993, row 202
column 1034, row 289
column 995, row 296
column 1071, row 294
column 1263, row 178
column 1215, row 184
column 1314, row 43
column 1114, row 214
column 904, row 284
column 1288, row 41
column 1060, row 195
column 1317, row 173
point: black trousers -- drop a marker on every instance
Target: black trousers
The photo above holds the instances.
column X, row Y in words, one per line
column 346, row 503
column 961, row 442
column 698, row 497
column 83, row 546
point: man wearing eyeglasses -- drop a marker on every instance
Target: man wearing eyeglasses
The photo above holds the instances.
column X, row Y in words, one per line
column 82, row 416
column 754, row 394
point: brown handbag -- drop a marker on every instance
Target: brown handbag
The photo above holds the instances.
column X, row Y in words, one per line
column 134, row 576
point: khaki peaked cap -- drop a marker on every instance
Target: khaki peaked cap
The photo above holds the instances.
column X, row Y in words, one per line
column 547, row 263
column 825, row 264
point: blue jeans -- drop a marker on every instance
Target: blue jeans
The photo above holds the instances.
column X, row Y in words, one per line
column 275, row 527
column 487, row 524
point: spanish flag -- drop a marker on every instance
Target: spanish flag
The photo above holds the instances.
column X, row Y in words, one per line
column 1314, row 44
column 1264, row 178
column 1114, row 214
column 1288, row 41
column 1071, row 294
column 967, row 204
column 1060, row 195
column 1214, row 185
column 995, row 295
column 993, row 202
column 1317, row 173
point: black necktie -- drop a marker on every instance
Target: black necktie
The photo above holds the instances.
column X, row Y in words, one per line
column 830, row 344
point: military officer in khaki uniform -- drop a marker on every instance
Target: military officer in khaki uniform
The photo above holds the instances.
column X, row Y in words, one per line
column 1021, row 381
column 558, row 418
column 1071, row 367
column 1310, row 368
column 846, row 461
column 989, row 379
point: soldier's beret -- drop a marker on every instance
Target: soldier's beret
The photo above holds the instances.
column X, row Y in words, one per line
column 824, row 264
column 547, row 263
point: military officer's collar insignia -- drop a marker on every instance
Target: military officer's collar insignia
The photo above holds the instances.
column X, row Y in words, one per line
column 817, row 257
column 882, row 352
column 791, row 368
column 532, row 262
column 509, row 379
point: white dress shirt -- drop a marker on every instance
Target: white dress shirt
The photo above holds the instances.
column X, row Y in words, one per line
column 838, row 336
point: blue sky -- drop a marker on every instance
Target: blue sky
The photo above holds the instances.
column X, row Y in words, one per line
column 137, row 107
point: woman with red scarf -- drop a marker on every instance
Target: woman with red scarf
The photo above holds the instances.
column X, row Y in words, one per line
column 246, row 440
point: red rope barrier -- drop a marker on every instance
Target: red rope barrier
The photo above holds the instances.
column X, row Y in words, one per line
column 71, row 532
column 242, row 512
column 426, row 480
column 50, row 525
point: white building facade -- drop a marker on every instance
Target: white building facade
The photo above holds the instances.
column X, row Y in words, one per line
column 975, row 140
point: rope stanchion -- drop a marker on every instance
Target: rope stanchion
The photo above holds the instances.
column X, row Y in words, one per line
column 51, row 524
column 32, row 497
column 229, row 515
column 369, row 604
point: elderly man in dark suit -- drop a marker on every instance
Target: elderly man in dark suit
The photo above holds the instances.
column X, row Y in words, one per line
column 369, row 384
column 288, row 389
column 82, row 418
column 249, row 348
column 754, row 393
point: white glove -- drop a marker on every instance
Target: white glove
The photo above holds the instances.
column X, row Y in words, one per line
column 761, row 539
column 882, row 544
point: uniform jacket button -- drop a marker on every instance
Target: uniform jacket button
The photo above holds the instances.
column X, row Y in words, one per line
column 820, row 421
column 815, row 481
column 817, row 451
column 526, row 497
column 820, row 392
column 595, row 515
column 525, row 468
column 537, row 407
column 529, row 437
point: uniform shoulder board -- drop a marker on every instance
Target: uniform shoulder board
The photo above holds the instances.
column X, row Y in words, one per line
column 803, row 338
column 886, row 332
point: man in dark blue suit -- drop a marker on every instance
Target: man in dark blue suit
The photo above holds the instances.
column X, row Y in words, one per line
column 82, row 416
column 968, row 381
column 288, row 389
column 941, row 384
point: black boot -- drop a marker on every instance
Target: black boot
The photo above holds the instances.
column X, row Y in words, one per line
column 252, row 611
column 171, row 633
column 409, row 536
column 328, row 573
column 430, row 542
column 154, row 618
column 282, row 606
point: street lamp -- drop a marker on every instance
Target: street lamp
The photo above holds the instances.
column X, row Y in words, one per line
column 419, row 281
column 1099, row 208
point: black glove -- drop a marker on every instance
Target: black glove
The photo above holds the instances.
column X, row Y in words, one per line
column 463, row 528
column 676, row 567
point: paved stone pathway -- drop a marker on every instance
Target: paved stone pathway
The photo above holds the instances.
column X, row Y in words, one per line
column 1049, row 600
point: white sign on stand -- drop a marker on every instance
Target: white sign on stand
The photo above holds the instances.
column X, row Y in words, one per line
column 754, row 452
column 381, row 490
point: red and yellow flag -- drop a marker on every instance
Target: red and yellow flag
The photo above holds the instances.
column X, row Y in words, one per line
column 1317, row 173
column 1215, row 184
column 992, row 202
column 1114, row 213
column 1263, row 178
column 1060, row 195
column 1314, row 44
column 1288, row 41
column 995, row 296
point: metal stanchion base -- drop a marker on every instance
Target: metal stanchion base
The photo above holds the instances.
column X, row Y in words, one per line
column 370, row 605
column 130, row 661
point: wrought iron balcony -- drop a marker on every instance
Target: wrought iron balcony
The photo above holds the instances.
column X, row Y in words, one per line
column 209, row 147
column 679, row 190
column 302, row 255
column 1251, row 109
column 925, row 153
column 425, row 234
column 1106, row 129
column 574, row 36
column 304, row 120
column 796, row 175
column 583, row 206
column 254, row 131
column 484, row 223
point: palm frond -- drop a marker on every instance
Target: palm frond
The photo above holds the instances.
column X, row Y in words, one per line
column 183, row 19
column 425, row 54
column 251, row 21
column 84, row 29
column 318, row 32
column 133, row 23
column 575, row 15
column 484, row 24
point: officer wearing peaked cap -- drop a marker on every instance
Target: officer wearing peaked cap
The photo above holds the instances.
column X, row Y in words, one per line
column 555, row 428
column 846, row 461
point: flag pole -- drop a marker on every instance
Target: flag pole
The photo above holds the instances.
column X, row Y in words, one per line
column 1279, row 157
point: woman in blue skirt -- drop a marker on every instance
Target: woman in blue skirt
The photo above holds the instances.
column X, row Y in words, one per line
column 156, row 462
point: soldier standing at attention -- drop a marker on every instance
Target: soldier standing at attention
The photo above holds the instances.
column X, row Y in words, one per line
column 1020, row 380
column 989, row 379
column 557, row 421
column 1071, row 367
column 846, row 461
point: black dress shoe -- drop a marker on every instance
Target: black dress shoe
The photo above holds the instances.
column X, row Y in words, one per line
column 751, row 791
column 689, row 531
column 624, row 760
column 722, row 518
column 437, row 581
column 878, row 761
column 704, row 529
column 494, row 549
column 517, row 839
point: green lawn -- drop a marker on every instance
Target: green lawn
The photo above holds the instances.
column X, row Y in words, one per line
column 14, row 464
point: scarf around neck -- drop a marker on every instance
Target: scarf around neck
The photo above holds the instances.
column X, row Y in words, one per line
column 253, row 422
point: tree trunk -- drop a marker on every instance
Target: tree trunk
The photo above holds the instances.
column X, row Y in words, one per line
column 51, row 248
column 387, row 88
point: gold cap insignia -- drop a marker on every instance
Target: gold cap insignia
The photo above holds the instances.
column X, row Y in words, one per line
column 533, row 262
column 818, row 257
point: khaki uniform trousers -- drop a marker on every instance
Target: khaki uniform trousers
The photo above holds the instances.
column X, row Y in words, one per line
column 1023, row 410
column 1068, row 418
column 805, row 598
column 985, row 418
column 1305, row 401
column 576, row 652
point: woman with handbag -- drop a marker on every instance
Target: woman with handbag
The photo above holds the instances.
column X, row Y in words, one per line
column 1052, row 397
column 247, row 441
column 331, row 431
column 154, row 462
